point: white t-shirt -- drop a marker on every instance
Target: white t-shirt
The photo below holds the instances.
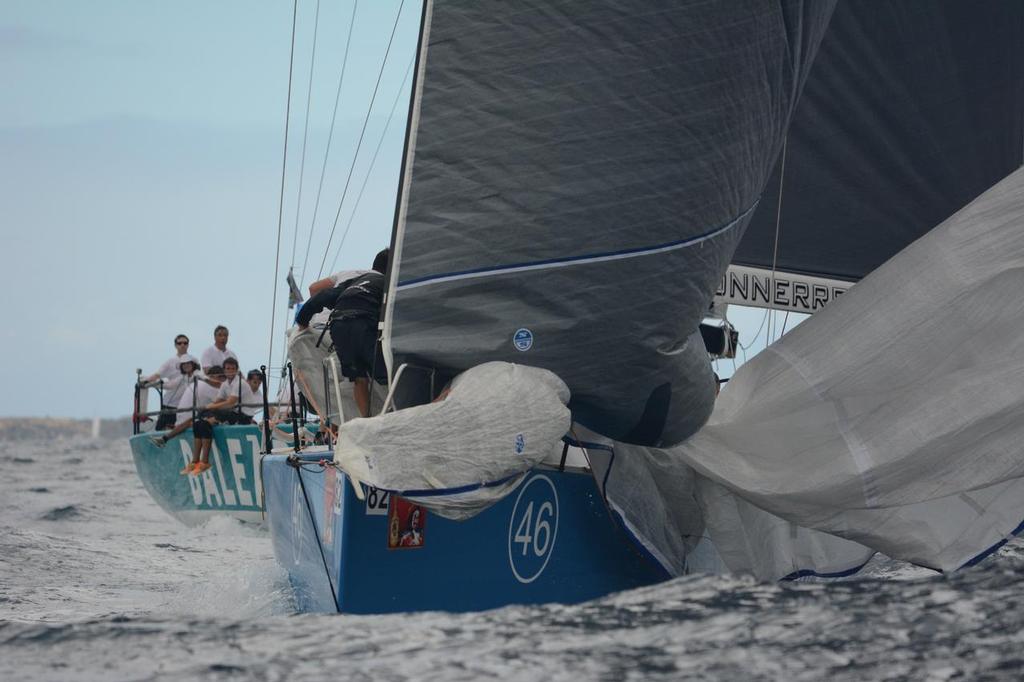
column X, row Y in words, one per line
column 174, row 388
column 249, row 397
column 345, row 275
column 215, row 356
column 171, row 368
column 204, row 394
column 320, row 319
column 229, row 387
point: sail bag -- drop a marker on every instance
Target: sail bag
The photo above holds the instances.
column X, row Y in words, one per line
column 461, row 454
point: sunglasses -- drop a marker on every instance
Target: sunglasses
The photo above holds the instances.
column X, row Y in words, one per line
column 181, row 343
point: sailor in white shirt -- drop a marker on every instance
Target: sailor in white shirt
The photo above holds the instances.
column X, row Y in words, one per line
column 337, row 279
column 199, row 392
column 173, row 388
column 234, row 392
column 219, row 351
column 170, row 367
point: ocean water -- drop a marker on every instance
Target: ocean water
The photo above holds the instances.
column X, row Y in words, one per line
column 97, row 583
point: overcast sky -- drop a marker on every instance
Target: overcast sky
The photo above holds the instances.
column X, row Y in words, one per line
column 141, row 147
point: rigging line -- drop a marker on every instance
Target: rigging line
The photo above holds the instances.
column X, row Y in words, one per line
column 369, row 170
column 757, row 334
column 362, row 133
column 778, row 222
column 305, row 132
column 284, row 165
column 330, row 137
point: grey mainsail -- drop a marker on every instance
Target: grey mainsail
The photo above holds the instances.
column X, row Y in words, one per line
column 582, row 173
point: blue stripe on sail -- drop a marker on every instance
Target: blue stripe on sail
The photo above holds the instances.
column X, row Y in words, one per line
column 991, row 550
column 452, row 491
column 974, row 561
column 807, row 572
column 573, row 260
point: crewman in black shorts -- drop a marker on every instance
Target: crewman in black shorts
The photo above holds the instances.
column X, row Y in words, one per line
column 353, row 328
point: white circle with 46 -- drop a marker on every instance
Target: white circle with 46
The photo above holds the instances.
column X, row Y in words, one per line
column 532, row 529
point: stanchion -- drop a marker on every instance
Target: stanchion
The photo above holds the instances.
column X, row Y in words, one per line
column 138, row 405
column 294, row 416
column 266, row 411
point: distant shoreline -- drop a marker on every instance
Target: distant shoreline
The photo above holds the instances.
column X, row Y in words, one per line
column 34, row 428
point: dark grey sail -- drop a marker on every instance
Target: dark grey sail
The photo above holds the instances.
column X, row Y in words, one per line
column 581, row 175
column 912, row 109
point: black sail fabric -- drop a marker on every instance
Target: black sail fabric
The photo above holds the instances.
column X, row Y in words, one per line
column 911, row 110
column 581, row 177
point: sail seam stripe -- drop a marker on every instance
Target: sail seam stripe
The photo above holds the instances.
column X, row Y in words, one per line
column 575, row 260
column 456, row 490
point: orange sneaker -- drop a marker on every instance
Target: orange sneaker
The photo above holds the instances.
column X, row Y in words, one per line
column 188, row 469
column 200, row 467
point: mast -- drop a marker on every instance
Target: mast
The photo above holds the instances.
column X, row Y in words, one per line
column 402, row 198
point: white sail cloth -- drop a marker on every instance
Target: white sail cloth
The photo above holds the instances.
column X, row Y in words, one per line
column 460, row 455
column 894, row 418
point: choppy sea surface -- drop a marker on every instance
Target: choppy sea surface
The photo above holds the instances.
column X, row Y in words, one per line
column 97, row 583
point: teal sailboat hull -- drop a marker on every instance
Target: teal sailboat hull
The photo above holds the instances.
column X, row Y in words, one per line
column 231, row 486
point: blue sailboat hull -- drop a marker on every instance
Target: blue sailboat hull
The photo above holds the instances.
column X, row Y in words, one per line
column 550, row 540
column 231, row 487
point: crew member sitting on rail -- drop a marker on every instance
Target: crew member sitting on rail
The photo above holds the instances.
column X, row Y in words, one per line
column 202, row 426
column 219, row 351
column 201, row 392
column 221, row 412
column 238, row 401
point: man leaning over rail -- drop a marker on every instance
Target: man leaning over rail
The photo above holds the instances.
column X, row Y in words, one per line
column 353, row 328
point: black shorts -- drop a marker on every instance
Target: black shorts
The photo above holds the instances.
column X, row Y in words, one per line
column 226, row 416
column 166, row 419
column 202, row 429
column 355, row 342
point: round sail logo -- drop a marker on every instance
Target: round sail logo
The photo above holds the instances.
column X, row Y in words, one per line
column 523, row 339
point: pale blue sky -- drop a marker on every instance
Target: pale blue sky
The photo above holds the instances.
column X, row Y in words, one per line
column 141, row 149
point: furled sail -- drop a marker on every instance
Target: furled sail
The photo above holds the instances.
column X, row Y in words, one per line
column 581, row 175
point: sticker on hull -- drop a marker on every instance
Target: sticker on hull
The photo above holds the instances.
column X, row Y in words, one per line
column 406, row 524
